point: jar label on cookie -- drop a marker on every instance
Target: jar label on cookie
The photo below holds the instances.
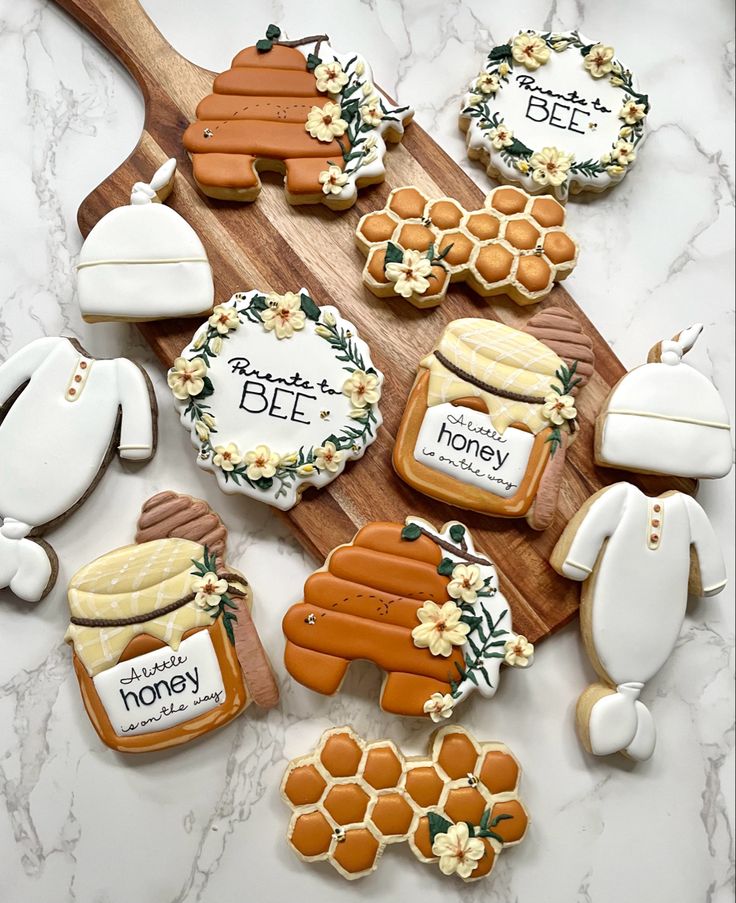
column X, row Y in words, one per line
column 463, row 445
column 162, row 688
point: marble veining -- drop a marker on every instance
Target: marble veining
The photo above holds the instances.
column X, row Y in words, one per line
column 81, row 824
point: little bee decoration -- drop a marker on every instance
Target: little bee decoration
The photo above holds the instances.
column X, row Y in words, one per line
column 492, row 413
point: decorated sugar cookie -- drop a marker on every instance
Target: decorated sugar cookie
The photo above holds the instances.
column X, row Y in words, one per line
column 515, row 245
column 419, row 603
column 278, row 394
column 458, row 808
column 144, row 261
column 63, row 416
column 666, row 417
column 555, row 113
column 302, row 109
column 164, row 646
column 638, row 558
column 491, row 414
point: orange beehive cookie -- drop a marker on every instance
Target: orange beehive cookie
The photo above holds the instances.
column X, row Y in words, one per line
column 457, row 807
column 416, row 246
column 298, row 108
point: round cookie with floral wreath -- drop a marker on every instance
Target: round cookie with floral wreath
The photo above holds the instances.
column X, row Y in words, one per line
column 278, row 395
column 554, row 113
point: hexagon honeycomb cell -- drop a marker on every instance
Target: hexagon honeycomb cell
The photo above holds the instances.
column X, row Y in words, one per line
column 304, row 785
column 533, row 273
column 377, row 227
column 445, row 214
column 494, row 263
column 521, row 234
column 407, row 203
column 499, row 772
column 513, row 827
column 416, row 236
column 311, row 834
column 341, row 755
column 508, row 200
column 465, row 804
column 420, row 842
column 559, row 247
column 484, row 226
column 547, row 212
column 458, row 755
column 460, row 248
column 382, row 767
column 347, row 803
column 424, row 786
column 392, row 815
column 358, row 852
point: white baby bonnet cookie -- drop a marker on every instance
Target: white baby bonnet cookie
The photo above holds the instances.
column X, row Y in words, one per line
column 144, row 261
column 666, row 417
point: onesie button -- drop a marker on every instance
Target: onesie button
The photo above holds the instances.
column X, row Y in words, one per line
column 77, row 378
column 72, row 391
column 654, row 537
column 83, row 366
column 657, row 508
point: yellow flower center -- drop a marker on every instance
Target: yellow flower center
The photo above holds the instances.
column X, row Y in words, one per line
column 209, row 588
column 261, row 461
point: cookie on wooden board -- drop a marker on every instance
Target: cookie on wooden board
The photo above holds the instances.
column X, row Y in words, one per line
column 298, row 108
column 458, row 807
column 63, row 416
column 638, row 558
column 164, row 646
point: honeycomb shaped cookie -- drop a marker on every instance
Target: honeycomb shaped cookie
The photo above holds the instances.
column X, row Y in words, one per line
column 416, row 246
column 350, row 799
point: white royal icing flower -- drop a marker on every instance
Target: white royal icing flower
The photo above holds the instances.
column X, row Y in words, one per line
column 465, row 582
column 187, row 377
column 529, row 50
column 504, row 69
column 458, row 851
column 410, row 276
column 330, row 77
column 623, row 153
column 487, row 83
column 261, row 463
column 208, row 590
column 328, row 457
column 501, row 136
column 333, row 180
column 518, row 652
column 202, row 430
column 558, row 408
column 284, row 315
column 371, row 112
column 550, row 165
column 224, row 319
column 598, row 60
column 439, row 706
column 632, row 112
column 440, row 628
column 325, row 123
column 362, row 388
column 227, row 457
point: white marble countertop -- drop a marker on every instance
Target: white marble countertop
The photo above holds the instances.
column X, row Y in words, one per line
column 81, row 823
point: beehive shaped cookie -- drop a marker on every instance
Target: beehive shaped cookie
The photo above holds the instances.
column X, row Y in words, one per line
column 457, row 807
column 416, row 246
column 164, row 646
column 417, row 602
column 298, row 108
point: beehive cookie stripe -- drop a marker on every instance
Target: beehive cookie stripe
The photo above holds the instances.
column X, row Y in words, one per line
column 389, row 573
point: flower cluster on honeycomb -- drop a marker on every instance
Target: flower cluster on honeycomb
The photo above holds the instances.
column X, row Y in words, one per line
column 458, row 807
column 416, row 246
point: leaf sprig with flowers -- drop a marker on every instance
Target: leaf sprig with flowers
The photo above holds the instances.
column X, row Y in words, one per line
column 217, row 603
column 559, row 407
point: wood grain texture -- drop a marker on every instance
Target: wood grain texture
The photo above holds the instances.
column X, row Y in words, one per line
column 270, row 245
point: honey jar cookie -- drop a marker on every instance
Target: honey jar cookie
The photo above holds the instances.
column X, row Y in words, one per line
column 164, row 647
column 491, row 414
column 278, row 394
column 416, row 246
column 555, row 113
column 419, row 603
column 299, row 108
column 457, row 808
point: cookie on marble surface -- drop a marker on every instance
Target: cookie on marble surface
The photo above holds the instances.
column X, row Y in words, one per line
column 416, row 246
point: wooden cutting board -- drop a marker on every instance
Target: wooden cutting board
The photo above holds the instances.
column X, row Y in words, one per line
column 270, row 245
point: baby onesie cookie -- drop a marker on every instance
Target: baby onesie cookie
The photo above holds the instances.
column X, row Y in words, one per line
column 666, row 417
column 298, row 108
column 165, row 649
column 420, row 604
column 458, row 807
column 554, row 113
column 416, row 246
column 144, row 261
column 639, row 557
column 278, row 394
column 491, row 414
column 63, row 416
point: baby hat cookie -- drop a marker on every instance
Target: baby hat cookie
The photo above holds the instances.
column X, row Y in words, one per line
column 278, row 395
column 491, row 414
column 554, row 113
column 63, row 416
column 638, row 558
column 302, row 109
column 419, row 603
column 666, row 417
column 416, row 246
column 165, row 649
column 144, row 261
column 457, row 808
